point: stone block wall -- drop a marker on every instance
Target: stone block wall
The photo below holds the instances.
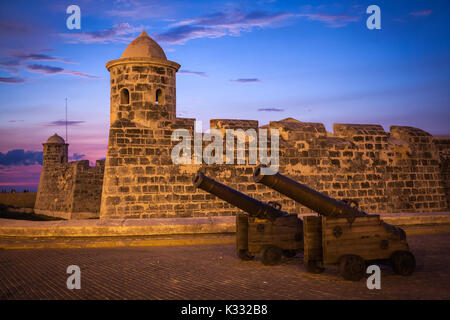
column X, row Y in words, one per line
column 443, row 145
column 140, row 180
column 87, row 190
column 396, row 171
column 70, row 190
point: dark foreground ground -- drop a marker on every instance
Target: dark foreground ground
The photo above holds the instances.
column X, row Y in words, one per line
column 209, row 272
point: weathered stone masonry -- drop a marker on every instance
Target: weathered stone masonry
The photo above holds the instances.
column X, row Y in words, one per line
column 443, row 145
column 70, row 190
column 386, row 172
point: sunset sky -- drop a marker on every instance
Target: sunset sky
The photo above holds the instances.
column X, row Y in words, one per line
column 315, row 61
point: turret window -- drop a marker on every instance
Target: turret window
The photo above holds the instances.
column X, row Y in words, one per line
column 159, row 96
column 124, row 96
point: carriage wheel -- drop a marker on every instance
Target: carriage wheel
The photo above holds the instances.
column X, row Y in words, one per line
column 403, row 263
column 352, row 267
column 271, row 255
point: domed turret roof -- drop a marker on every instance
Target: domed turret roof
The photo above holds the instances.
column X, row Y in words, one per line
column 144, row 47
column 56, row 139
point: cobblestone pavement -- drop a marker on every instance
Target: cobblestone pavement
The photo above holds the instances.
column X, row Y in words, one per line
column 209, row 272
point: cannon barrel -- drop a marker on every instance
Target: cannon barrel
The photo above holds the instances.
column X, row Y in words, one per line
column 305, row 195
column 315, row 200
column 253, row 207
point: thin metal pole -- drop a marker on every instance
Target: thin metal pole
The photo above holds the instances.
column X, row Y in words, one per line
column 66, row 121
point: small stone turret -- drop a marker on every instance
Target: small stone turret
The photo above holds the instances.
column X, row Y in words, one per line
column 143, row 84
column 55, row 151
column 69, row 190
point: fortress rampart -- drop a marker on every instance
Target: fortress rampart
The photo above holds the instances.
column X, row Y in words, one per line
column 70, row 190
column 403, row 170
column 400, row 171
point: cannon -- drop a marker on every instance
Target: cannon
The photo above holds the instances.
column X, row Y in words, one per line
column 342, row 234
column 316, row 201
column 264, row 229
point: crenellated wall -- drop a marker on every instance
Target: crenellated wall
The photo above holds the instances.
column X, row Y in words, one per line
column 443, row 145
column 394, row 171
column 70, row 190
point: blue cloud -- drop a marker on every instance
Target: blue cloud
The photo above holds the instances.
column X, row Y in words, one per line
column 195, row 73
column 246, row 80
column 12, row 80
column 63, row 123
column 76, row 156
column 21, row 157
column 270, row 110
column 220, row 24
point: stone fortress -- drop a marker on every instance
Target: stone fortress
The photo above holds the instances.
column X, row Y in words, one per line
column 404, row 170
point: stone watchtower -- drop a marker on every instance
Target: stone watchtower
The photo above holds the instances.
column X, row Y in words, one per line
column 55, row 151
column 143, row 84
column 143, row 109
column 50, row 199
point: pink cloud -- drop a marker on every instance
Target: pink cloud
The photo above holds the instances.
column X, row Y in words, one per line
column 333, row 21
column 16, row 59
column 39, row 68
column 122, row 32
column 220, row 24
column 423, row 13
column 37, row 56
column 270, row 110
column 246, row 80
column 13, row 27
column 14, row 80
column 195, row 73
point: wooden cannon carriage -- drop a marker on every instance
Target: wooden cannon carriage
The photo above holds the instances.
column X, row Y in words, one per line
column 264, row 230
column 341, row 234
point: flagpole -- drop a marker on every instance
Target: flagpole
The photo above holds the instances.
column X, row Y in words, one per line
column 66, row 121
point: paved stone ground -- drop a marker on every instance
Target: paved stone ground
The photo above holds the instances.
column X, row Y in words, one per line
column 209, row 272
